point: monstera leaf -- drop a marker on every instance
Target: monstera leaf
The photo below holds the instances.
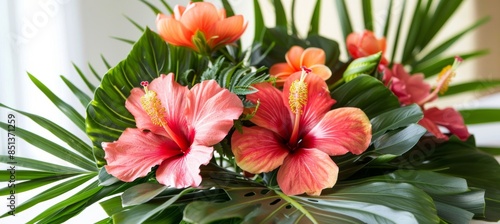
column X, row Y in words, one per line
column 150, row 57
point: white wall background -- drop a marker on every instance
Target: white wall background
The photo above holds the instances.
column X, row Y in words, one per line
column 43, row 37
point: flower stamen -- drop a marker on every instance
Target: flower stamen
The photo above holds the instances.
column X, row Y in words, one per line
column 443, row 80
column 156, row 112
column 297, row 101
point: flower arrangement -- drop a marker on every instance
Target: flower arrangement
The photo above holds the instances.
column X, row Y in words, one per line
column 192, row 128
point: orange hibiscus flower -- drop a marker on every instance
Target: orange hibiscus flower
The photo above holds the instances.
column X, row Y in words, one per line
column 200, row 26
column 365, row 44
column 312, row 58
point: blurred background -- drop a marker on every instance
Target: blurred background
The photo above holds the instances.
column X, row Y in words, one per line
column 44, row 38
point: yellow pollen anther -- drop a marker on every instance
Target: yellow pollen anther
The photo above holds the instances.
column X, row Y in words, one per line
column 445, row 77
column 152, row 105
column 298, row 96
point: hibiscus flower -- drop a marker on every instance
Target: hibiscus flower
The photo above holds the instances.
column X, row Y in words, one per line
column 413, row 89
column 297, row 132
column 176, row 128
column 364, row 44
column 296, row 58
column 200, row 26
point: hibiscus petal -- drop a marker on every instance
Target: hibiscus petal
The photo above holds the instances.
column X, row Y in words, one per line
column 312, row 56
column 340, row 131
column 142, row 119
column 272, row 114
column 307, row 171
column 178, row 11
column 184, row 170
column 200, row 16
column 318, row 100
column 211, row 111
column 265, row 156
column 173, row 32
column 136, row 152
column 226, row 31
column 173, row 98
column 293, row 57
column 322, row 71
column 450, row 119
column 432, row 128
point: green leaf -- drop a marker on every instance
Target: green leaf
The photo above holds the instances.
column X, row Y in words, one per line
column 23, row 174
column 364, row 203
column 82, row 97
column 442, row 13
column 60, row 132
column 398, row 142
column 153, row 8
column 367, row 14
column 280, row 14
column 128, row 41
column 398, row 33
column 453, row 214
column 141, row 193
column 39, row 165
column 414, row 30
column 472, row 200
column 228, row 8
column 139, row 214
column 387, row 22
column 366, row 93
column 364, row 65
column 490, row 150
column 53, row 148
column 32, row 184
column 460, row 159
column 67, row 109
column 294, row 27
column 139, row 27
column 84, row 78
column 53, row 192
column 96, row 75
column 433, row 67
column 75, row 199
column 259, row 22
column 105, row 62
column 344, row 20
column 393, row 119
column 107, row 116
column 314, row 28
column 477, row 85
column 449, row 42
column 106, row 179
column 480, row 116
column 167, row 6
column 112, row 205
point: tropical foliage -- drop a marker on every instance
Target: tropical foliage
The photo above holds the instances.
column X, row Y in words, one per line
column 406, row 175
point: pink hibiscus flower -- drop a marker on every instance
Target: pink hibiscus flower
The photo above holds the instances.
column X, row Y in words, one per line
column 296, row 129
column 413, row 89
column 176, row 128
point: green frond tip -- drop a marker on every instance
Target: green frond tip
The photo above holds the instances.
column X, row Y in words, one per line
column 364, row 65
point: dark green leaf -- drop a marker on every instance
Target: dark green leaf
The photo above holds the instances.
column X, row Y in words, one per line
column 12, row 173
column 106, row 179
column 39, row 165
column 67, row 109
column 398, row 33
column 387, row 19
column 141, row 193
column 84, row 78
column 397, row 142
column 53, row 148
column 96, row 75
column 124, row 40
column 82, row 97
column 105, row 62
column 491, row 150
column 32, row 184
column 414, row 30
column 153, row 8
column 367, row 93
column 442, row 13
column 393, row 119
column 294, row 28
column 477, row 85
column 453, row 214
column 433, row 67
column 112, row 205
column 314, row 27
column 53, row 192
column 280, row 14
column 472, row 200
column 61, row 133
column 345, row 21
column 139, row 27
column 167, row 6
column 259, row 22
column 367, row 14
column 480, row 116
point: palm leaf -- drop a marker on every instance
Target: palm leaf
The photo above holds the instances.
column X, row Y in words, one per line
column 82, row 97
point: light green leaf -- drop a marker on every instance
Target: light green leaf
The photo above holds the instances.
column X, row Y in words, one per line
column 5, row 175
column 477, row 85
column 53, row 148
column 481, row 116
column 435, row 66
column 39, row 165
column 67, row 109
column 112, row 205
column 106, row 179
column 139, row 27
column 69, row 138
column 53, row 192
column 82, row 97
column 141, row 193
column 367, row 14
column 32, row 184
column 84, row 78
